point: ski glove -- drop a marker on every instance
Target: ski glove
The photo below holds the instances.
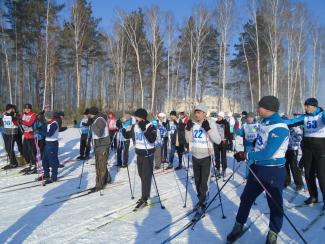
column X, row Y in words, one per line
column 240, row 156
column 189, row 125
column 119, row 124
column 142, row 124
column 205, row 125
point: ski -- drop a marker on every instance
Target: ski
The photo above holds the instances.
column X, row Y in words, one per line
column 32, row 186
column 246, row 228
column 313, row 221
column 88, row 192
column 84, row 193
column 190, row 224
column 183, row 216
column 81, row 191
column 130, row 211
column 293, row 197
column 302, row 205
column 180, row 231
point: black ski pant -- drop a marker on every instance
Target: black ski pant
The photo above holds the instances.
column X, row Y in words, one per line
column 164, row 149
column 113, row 140
column 84, row 145
column 272, row 178
column 9, row 146
column 313, row 158
column 220, row 152
column 19, row 141
column 145, row 170
column 180, row 150
column 292, row 165
column 201, row 169
column 123, row 152
column 41, row 145
column 29, row 151
column 230, row 145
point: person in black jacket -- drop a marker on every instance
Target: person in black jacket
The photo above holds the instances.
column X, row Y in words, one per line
column 177, row 140
column 220, row 150
column 145, row 136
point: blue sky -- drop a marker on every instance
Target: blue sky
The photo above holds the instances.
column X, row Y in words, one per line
column 183, row 8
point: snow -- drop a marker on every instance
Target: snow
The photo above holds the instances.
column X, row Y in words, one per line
column 26, row 219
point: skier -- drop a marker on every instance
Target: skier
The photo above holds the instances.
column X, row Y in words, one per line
column 145, row 136
column 295, row 138
column 85, row 137
column 267, row 161
column 124, row 135
column 164, row 133
column 111, row 123
column 249, row 134
column 231, row 122
column 50, row 158
column 9, row 123
column 101, row 140
column 40, row 131
column 158, row 144
column 177, row 140
column 220, row 149
column 313, row 147
column 29, row 148
column 201, row 135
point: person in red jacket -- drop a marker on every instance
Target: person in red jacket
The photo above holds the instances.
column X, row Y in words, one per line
column 29, row 149
column 112, row 128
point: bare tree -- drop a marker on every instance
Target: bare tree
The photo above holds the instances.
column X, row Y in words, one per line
column 4, row 47
column 130, row 25
column 155, row 45
column 224, row 15
column 201, row 18
column 79, row 27
column 46, row 52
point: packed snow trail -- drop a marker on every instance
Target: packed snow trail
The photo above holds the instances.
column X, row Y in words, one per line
column 110, row 219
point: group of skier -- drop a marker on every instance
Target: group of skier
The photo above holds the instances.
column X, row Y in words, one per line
column 271, row 148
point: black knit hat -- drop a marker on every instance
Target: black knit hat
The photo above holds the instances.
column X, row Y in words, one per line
column 86, row 111
column 93, row 111
column 270, row 103
column 28, row 105
column 173, row 113
column 312, row 102
column 8, row 106
column 141, row 113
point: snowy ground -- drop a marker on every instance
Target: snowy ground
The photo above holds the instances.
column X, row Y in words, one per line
column 25, row 218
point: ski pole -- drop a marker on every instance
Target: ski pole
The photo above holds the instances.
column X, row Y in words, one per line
column 218, row 192
column 179, row 189
column 188, row 169
column 82, row 170
column 276, row 204
column 153, row 175
column 215, row 174
column 127, row 169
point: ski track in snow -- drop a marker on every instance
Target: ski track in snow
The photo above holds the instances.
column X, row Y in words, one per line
column 26, row 219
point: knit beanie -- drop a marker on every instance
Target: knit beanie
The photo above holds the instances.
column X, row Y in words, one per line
column 270, row 103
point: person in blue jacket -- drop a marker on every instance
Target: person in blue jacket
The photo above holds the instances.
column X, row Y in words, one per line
column 267, row 161
column 50, row 157
column 249, row 132
column 313, row 147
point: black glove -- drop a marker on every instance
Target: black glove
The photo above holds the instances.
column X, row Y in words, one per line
column 240, row 156
column 189, row 125
column 205, row 125
column 142, row 124
column 119, row 124
column 20, row 121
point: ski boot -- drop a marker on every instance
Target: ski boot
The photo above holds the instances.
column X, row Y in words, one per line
column 236, row 232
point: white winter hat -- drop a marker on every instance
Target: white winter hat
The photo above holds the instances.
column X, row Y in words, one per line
column 201, row 107
column 221, row 114
column 162, row 115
